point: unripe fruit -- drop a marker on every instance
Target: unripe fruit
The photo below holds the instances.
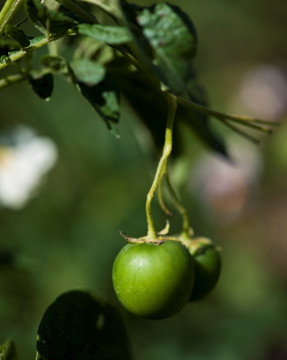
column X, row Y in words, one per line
column 153, row 281
column 207, row 266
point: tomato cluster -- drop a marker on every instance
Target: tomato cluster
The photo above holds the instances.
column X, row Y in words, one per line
column 154, row 280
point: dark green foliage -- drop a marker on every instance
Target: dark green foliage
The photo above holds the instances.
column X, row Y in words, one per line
column 17, row 34
column 70, row 227
column 7, row 44
column 7, row 257
column 56, row 64
column 42, row 85
column 98, row 88
column 88, row 72
column 112, row 35
column 166, row 42
column 79, row 327
column 46, row 20
column 104, row 99
column 172, row 44
column 156, row 46
column 147, row 100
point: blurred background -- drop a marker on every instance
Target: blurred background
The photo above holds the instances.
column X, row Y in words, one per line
column 67, row 186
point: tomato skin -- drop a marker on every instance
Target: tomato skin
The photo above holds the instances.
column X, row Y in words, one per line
column 153, row 281
column 207, row 266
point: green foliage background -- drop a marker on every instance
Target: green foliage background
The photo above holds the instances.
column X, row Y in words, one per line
column 70, row 230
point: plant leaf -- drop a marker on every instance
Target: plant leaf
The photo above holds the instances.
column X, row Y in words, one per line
column 88, row 72
column 58, row 65
column 36, row 12
column 112, row 35
column 151, row 107
column 104, row 98
column 99, row 89
column 8, row 351
column 58, row 22
column 111, row 7
column 166, row 40
column 79, row 327
column 42, row 85
column 17, row 34
column 45, row 20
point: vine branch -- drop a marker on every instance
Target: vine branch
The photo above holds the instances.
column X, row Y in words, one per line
column 243, row 120
column 37, row 44
column 11, row 80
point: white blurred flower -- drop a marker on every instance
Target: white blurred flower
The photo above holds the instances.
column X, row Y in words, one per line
column 262, row 93
column 23, row 165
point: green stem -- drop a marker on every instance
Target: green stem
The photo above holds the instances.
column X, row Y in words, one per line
column 167, row 148
column 236, row 129
column 243, row 120
column 9, row 9
column 161, row 200
column 250, row 125
column 11, row 80
column 38, row 43
column 185, row 221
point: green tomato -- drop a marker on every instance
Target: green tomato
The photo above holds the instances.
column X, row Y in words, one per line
column 207, row 264
column 153, row 281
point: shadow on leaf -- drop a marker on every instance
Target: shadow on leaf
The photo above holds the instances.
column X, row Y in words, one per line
column 78, row 326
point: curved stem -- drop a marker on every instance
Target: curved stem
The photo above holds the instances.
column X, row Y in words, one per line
column 7, row 12
column 181, row 209
column 12, row 79
column 242, row 133
column 243, row 120
column 172, row 105
column 160, row 198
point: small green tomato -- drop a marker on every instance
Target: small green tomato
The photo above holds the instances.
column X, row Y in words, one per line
column 207, row 266
column 153, row 281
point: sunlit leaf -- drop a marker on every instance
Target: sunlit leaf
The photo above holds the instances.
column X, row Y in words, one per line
column 112, row 35
column 88, row 72
column 166, row 40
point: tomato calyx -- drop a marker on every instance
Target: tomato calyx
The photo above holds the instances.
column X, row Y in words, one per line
column 160, row 239
column 192, row 243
